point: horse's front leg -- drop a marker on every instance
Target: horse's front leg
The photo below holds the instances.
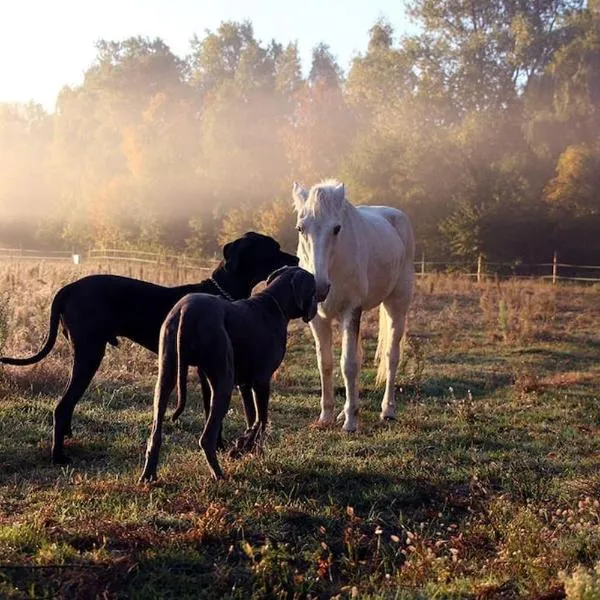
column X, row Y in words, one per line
column 321, row 330
column 350, row 363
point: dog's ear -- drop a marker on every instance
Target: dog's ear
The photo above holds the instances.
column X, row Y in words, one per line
column 304, row 290
column 232, row 252
column 276, row 274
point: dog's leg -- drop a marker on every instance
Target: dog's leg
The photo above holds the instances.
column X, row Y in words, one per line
column 206, row 399
column 251, row 438
column 321, row 329
column 206, row 392
column 241, row 444
column 262, row 392
column 87, row 358
column 350, row 363
column 220, row 372
column 164, row 386
column 218, row 409
column 249, row 405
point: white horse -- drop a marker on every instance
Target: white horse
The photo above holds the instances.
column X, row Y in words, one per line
column 361, row 257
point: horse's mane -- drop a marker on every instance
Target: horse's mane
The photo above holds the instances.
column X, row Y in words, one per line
column 324, row 198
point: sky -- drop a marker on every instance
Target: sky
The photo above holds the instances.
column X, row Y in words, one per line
column 46, row 44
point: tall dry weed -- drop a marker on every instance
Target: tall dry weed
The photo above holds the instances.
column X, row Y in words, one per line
column 516, row 311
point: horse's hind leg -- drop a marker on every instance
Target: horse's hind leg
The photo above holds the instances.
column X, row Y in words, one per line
column 350, row 362
column 396, row 306
column 87, row 357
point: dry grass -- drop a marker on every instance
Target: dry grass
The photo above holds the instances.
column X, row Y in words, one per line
column 486, row 487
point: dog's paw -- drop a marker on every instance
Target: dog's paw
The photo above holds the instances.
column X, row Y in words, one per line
column 61, row 459
column 147, row 478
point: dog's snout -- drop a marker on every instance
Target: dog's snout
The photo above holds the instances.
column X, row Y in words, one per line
column 322, row 290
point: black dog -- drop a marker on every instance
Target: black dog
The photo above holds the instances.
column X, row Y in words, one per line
column 97, row 309
column 231, row 343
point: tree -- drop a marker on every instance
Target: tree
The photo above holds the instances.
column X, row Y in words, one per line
column 489, row 50
column 324, row 70
column 576, row 187
column 215, row 58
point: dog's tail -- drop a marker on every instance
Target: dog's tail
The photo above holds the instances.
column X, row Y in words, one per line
column 58, row 305
column 182, row 370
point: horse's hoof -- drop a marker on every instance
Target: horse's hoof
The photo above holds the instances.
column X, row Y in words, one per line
column 388, row 419
column 147, row 478
column 321, row 425
column 349, row 428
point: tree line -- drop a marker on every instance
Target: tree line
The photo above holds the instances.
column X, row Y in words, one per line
column 483, row 126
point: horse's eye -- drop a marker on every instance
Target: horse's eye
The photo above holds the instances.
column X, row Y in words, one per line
column 300, row 228
column 336, row 229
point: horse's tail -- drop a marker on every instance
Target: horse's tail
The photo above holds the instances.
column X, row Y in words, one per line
column 405, row 230
column 182, row 370
column 383, row 341
column 57, row 308
column 383, row 344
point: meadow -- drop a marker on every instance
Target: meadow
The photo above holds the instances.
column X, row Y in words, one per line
column 486, row 487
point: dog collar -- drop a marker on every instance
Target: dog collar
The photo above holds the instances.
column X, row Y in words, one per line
column 221, row 290
column 277, row 303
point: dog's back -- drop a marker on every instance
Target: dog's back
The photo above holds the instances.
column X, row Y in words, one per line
column 235, row 339
column 193, row 334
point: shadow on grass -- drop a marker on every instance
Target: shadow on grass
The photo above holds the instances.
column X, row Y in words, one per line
column 550, row 360
column 34, row 463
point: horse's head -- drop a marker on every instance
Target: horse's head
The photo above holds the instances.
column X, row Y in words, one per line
column 320, row 225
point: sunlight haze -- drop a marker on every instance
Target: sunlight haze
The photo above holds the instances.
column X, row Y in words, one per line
column 46, row 45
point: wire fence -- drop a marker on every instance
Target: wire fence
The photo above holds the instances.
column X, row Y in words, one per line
column 108, row 255
column 480, row 270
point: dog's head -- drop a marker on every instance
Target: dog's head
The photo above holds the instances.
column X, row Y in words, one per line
column 254, row 256
column 303, row 288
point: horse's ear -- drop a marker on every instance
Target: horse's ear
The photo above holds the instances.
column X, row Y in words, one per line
column 339, row 193
column 299, row 195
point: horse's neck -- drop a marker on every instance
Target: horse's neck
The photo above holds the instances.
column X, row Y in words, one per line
column 351, row 252
column 353, row 235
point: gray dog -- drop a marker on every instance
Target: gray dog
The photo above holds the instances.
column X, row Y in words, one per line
column 238, row 343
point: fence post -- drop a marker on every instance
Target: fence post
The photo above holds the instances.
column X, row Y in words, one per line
column 554, row 267
column 479, row 268
column 422, row 264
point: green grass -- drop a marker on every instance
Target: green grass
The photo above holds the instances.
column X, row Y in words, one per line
column 487, row 485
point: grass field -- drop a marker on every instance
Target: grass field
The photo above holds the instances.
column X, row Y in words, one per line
column 487, row 486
